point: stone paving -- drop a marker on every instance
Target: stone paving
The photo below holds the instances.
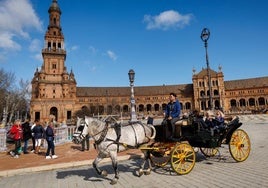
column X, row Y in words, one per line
column 208, row 172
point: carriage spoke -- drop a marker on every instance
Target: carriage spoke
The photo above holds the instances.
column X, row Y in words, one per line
column 239, row 145
column 182, row 158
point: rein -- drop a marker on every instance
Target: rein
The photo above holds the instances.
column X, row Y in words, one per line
column 103, row 133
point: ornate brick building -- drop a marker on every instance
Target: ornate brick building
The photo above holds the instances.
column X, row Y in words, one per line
column 55, row 91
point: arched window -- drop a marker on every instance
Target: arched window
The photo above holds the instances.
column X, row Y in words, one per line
column 141, row 108
column 187, row 105
column 202, row 93
column 261, row 101
column 125, row 108
column 156, row 107
column 251, row 102
column 148, row 107
column 109, row 109
column 54, row 111
column 101, row 110
column 242, row 102
column 233, row 103
column 217, row 104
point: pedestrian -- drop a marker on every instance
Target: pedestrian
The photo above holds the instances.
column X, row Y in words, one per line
column 16, row 132
column 172, row 113
column 85, row 142
column 50, row 141
column 39, row 134
column 27, row 134
column 33, row 140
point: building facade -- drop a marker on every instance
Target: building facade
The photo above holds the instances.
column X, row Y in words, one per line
column 55, row 91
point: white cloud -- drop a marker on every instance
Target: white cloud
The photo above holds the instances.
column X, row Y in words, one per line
column 75, row 47
column 38, row 57
column 93, row 68
column 167, row 20
column 7, row 43
column 111, row 55
column 35, row 46
column 16, row 16
column 93, row 49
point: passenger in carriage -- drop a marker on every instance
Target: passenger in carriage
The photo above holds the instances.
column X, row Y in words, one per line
column 219, row 116
column 172, row 112
column 215, row 122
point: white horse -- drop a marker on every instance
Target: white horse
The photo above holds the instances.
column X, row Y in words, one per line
column 112, row 138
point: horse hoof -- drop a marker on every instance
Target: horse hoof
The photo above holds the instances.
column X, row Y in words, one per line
column 104, row 173
column 114, row 181
column 140, row 172
column 147, row 172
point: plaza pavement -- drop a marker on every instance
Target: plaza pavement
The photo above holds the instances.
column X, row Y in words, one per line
column 218, row 171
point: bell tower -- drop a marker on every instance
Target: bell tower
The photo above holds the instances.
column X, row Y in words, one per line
column 53, row 88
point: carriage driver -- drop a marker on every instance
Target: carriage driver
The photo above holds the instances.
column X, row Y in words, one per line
column 172, row 112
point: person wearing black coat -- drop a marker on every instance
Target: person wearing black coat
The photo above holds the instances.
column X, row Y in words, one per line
column 49, row 134
column 27, row 134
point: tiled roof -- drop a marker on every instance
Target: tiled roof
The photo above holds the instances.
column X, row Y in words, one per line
column 185, row 89
column 246, row 83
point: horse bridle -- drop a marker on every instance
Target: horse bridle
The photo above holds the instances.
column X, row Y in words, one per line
column 103, row 133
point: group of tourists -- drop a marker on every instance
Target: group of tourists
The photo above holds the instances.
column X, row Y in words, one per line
column 37, row 132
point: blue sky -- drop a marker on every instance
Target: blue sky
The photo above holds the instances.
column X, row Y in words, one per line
column 159, row 39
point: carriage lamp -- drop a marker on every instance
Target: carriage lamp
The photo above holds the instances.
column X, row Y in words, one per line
column 133, row 117
column 205, row 36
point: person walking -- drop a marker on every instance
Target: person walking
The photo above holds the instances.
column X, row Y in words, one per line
column 85, row 142
column 39, row 134
column 27, row 134
column 49, row 134
column 16, row 131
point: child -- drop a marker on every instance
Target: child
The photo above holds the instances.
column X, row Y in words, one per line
column 16, row 130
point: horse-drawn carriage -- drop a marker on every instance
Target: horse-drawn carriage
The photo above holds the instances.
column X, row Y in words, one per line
column 111, row 138
column 194, row 134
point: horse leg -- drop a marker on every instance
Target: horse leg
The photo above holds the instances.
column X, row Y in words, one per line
column 95, row 165
column 147, row 159
column 113, row 155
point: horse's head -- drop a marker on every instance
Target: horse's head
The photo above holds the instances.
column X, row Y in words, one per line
column 81, row 131
column 89, row 125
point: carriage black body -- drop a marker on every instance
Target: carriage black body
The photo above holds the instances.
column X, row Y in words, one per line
column 199, row 135
column 195, row 133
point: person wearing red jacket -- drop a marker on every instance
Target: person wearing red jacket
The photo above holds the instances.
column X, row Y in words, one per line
column 16, row 131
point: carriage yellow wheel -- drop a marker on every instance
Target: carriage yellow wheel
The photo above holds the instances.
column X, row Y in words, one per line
column 182, row 158
column 209, row 152
column 239, row 145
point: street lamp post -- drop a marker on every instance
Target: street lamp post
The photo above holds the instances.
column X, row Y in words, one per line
column 205, row 36
column 133, row 117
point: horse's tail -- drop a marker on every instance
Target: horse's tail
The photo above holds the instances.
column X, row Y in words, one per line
column 153, row 132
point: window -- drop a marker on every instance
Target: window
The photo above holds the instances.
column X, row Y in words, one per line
column 69, row 114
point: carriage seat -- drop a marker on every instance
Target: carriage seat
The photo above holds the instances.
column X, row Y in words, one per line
column 178, row 124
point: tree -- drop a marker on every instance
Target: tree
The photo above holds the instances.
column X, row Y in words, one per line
column 14, row 99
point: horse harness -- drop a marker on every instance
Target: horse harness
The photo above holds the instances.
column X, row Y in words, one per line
column 117, row 128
